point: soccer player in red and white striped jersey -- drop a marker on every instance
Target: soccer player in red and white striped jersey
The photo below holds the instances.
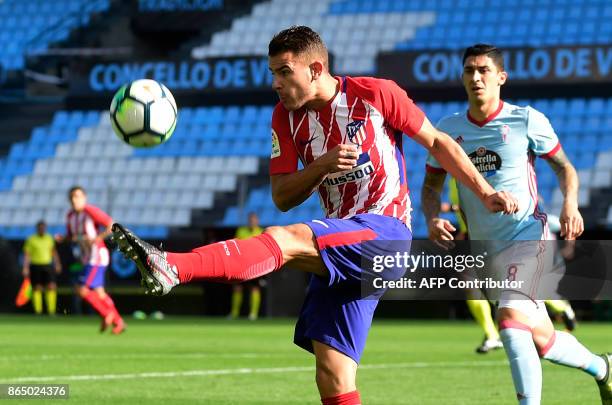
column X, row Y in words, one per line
column 83, row 223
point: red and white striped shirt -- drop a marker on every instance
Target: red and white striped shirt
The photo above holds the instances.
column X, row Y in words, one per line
column 84, row 225
column 369, row 113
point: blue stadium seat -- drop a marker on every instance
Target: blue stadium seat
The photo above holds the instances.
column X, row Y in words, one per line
column 232, row 114
column 231, row 217
column 39, row 135
column 60, row 119
column 215, row 114
column 250, row 114
column 596, row 106
column 200, row 115
column 91, row 118
column 5, row 182
column 589, row 143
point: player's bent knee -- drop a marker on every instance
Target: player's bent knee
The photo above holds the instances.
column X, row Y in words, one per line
column 543, row 338
column 298, row 233
column 293, row 239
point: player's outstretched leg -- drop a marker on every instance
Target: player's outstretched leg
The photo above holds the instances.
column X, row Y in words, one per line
column 564, row 349
column 556, row 346
column 231, row 261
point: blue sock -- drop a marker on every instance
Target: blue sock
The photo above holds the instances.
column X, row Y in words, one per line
column 524, row 364
column 568, row 351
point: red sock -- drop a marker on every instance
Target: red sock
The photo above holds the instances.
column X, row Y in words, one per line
column 110, row 305
column 234, row 260
column 97, row 303
column 349, row 398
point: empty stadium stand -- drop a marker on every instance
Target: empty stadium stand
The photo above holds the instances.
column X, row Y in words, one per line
column 355, row 31
column 154, row 189
column 30, row 26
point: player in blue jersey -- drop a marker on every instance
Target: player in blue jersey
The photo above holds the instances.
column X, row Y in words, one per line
column 503, row 141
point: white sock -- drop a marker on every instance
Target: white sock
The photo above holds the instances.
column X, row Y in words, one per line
column 524, row 364
column 568, row 351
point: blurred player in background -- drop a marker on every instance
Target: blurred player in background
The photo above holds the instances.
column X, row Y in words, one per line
column 348, row 134
column 503, row 141
column 560, row 308
column 42, row 263
column 82, row 226
column 254, row 286
column 478, row 305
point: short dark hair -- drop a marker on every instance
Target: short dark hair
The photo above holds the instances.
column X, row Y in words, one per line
column 298, row 39
column 75, row 188
column 40, row 223
column 485, row 49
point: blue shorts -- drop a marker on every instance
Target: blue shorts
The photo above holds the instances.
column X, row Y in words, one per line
column 334, row 312
column 92, row 276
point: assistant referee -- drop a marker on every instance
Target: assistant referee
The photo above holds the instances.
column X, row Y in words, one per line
column 41, row 263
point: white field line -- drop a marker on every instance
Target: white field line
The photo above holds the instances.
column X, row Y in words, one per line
column 195, row 355
column 236, row 371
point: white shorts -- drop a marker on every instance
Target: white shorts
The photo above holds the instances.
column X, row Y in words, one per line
column 530, row 265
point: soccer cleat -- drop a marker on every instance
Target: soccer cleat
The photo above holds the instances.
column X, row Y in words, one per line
column 489, row 345
column 119, row 327
column 605, row 385
column 158, row 276
column 569, row 318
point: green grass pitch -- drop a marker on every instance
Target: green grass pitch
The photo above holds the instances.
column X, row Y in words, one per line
column 212, row 361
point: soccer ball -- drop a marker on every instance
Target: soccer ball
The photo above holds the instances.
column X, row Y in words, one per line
column 143, row 113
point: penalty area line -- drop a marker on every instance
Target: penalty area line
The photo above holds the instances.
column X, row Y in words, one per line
column 238, row 371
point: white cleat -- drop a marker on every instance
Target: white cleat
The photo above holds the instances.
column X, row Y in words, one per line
column 489, row 345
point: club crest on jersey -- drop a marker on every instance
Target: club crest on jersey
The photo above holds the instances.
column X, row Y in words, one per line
column 356, row 132
column 459, row 139
column 505, row 130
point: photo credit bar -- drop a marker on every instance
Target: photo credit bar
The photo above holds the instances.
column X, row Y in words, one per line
column 534, row 270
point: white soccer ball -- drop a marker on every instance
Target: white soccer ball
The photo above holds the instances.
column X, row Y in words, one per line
column 143, row 113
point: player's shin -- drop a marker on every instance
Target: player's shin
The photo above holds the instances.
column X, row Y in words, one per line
column 97, row 303
column 524, row 361
column 233, row 260
column 563, row 348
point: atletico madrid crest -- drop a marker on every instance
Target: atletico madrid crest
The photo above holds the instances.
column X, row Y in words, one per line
column 356, row 132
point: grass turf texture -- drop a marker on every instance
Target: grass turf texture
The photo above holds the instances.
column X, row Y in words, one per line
column 212, row 361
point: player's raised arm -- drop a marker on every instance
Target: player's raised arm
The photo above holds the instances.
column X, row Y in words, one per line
column 454, row 160
column 572, row 224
